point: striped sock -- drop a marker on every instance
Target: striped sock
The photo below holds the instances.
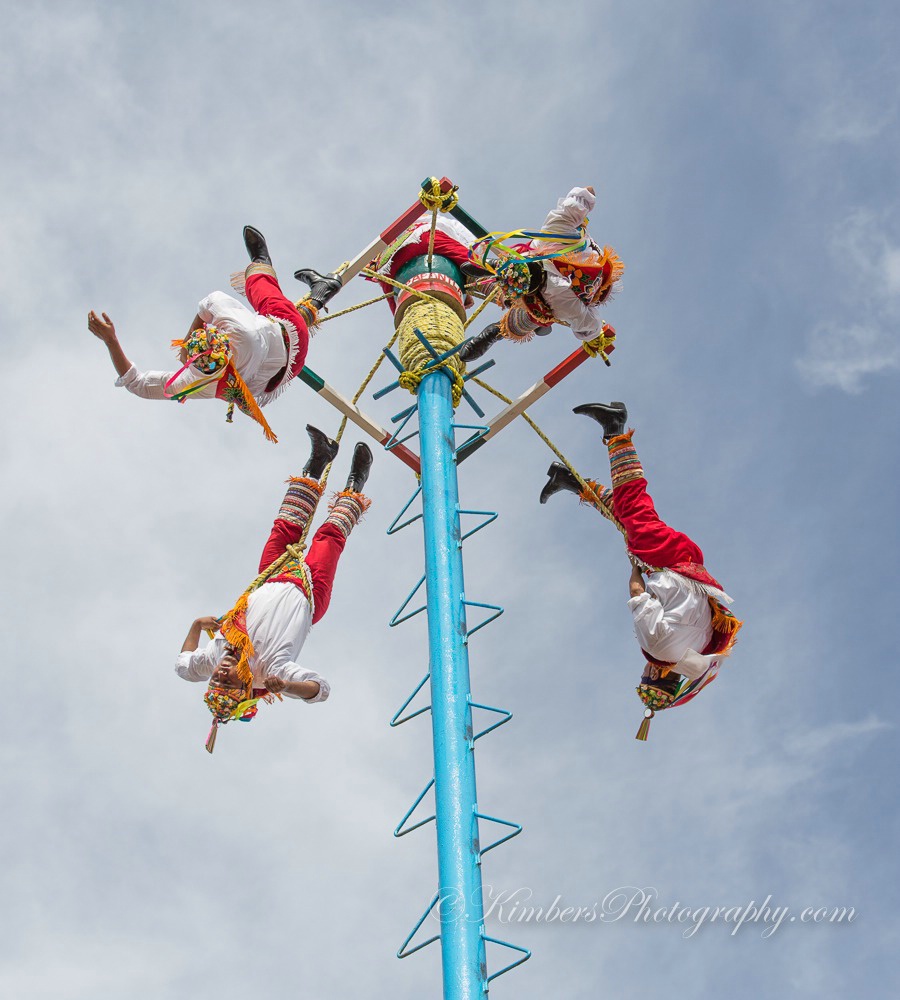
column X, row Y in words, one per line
column 300, row 501
column 346, row 510
column 623, row 461
column 597, row 495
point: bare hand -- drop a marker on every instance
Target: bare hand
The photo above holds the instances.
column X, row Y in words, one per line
column 275, row 684
column 589, row 188
column 209, row 623
column 104, row 329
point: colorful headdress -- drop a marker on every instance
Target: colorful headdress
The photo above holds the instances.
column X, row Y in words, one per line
column 223, row 704
column 661, row 687
column 208, row 348
column 591, row 273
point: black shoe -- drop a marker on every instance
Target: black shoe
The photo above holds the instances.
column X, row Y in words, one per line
column 255, row 243
column 322, row 287
column 323, row 452
column 359, row 468
column 560, row 479
column 472, row 269
column 612, row 417
column 477, row 346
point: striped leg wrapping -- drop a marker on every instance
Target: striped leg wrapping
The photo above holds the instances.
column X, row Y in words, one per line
column 308, row 311
column 239, row 278
column 597, row 495
column 300, row 501
column 346, row 510
column 623, row 461
column 517, row 325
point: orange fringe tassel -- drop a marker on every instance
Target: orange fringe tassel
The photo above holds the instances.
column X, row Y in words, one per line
column 252, row 406
column 238, row 638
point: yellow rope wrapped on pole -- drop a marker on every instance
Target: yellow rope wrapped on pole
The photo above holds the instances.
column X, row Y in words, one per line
column 444, row 330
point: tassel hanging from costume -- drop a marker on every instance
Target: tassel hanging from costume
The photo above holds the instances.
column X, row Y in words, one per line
column 237, row 391
column 211, row 739
column 644, row 728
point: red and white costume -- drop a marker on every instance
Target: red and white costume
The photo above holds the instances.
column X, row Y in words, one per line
column 280, row 613
column 269, row 346
column 674, row 619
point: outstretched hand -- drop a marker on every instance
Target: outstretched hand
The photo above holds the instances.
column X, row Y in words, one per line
column 104, row 329
column 275, row 684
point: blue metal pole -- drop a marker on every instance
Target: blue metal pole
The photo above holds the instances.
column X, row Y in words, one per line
column 461, row 906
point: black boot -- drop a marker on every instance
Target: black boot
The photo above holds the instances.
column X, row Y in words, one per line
column 359, row 468
column 477, row 346
column 323, row 452
column 322, row 287
column 611, row 416
column 560, row 479
column 255, row 243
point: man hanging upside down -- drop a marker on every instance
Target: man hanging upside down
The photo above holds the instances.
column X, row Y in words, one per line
column 568, row 288
column 680, row 618
column 255, row 653
column 246, row 358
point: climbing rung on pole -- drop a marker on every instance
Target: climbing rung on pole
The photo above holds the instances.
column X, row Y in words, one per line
column 398, row 721
column 526, row 954
column 507, row 715
column 394, row 526
column 400, row 832
column 397, row 620
column 403, row 953
column 490, row 618
column 516, row 830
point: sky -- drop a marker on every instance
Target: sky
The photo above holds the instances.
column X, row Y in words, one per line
column 745, row 164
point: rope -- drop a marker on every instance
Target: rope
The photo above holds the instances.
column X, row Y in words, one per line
column 434, row 199
column 443, row 329
column 487, row 301
column 359, row 305
column 295, row 550
column 585, row 485
column 434, row 216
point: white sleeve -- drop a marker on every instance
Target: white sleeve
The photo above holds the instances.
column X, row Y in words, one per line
column 242, row 326
column 152, row 385
column 583, row 320
column 650, row 621
column 199, row 665
column 291, row 671
column 570, row 212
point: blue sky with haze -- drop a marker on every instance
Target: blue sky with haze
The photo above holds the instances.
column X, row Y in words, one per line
column 745, row 163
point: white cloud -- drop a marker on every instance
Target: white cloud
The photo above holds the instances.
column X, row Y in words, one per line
column 841, row 352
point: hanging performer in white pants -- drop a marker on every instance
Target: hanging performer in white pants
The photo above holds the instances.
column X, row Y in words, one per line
column 255, row 655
